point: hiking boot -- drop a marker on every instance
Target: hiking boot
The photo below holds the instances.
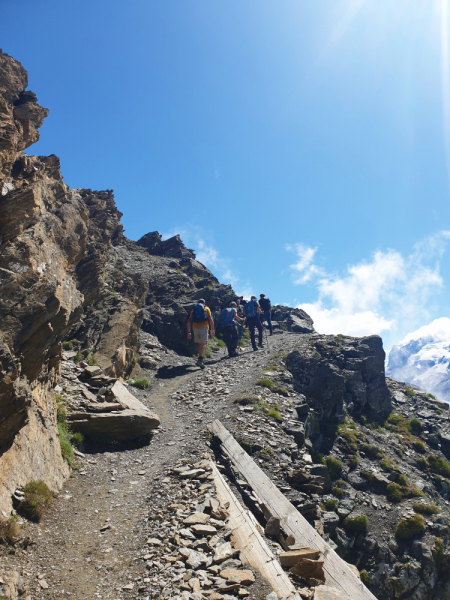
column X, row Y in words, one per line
column 255, row 349
column 200, row 361
column 270, row 333
column 260, row 345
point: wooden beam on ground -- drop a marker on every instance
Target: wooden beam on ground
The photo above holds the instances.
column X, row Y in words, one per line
column 338, row 573
column 249, row 541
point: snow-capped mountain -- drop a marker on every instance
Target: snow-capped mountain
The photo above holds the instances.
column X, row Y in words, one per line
column 423, row 359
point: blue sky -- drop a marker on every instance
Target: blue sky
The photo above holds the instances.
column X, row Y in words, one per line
column 301, row 147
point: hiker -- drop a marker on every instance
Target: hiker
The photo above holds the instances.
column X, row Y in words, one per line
column 266, row 305
column 252, row 310
column 230, row 334
column 200, row 319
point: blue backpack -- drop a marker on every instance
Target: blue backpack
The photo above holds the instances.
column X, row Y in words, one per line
column 226, row 317
column 199, row 314
column 250, row 309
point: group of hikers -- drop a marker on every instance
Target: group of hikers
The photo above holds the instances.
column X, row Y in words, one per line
column 255, row 313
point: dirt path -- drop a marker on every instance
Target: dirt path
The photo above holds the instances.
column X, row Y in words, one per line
column 91, row 544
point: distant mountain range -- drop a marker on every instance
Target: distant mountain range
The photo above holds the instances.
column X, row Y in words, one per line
column 423, row 359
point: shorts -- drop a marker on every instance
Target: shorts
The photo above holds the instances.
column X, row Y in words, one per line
column 200, row 334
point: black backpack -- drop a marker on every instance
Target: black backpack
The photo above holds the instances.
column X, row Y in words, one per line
column 265, row 304
column 199, row 314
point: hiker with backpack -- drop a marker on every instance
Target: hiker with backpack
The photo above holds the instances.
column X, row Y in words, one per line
column 266, row 305
column 200, row 320
column 230, row 334
column 252, row 312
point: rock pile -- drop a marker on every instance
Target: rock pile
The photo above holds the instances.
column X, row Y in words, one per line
column 190, row 555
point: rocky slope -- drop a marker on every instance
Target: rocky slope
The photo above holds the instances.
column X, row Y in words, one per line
column 422, row 359
column 362, row 457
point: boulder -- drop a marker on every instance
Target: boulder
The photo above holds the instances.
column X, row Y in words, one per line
column 292, row 557
column 131, row 420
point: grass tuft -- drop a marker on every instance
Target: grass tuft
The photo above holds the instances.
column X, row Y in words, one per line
column 372, row 451
column 419, row 447
column 141, row 384
column 426, row 509
column 356, row 525
column 9, row 531
column 37, row 499
column 267, row 383
column 407, row 529
column 334, row 467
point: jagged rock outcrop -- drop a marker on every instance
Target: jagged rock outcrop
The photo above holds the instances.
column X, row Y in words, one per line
column 338, row 374
column 172, row 247
column 292, row 319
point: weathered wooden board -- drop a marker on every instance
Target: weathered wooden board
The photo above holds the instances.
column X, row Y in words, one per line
column 337, row 572
column 249, row 541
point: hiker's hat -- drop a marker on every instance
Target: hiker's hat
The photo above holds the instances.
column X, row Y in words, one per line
column 262, row 295
column 201, row 301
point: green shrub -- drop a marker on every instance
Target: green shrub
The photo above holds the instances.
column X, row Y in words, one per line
column 317, row 458
column 76, row 438
column 415, row 426
column 338, row 492
column 354, row 462
column 340, row 483
column 439, row 556
column 364, row 576
column 387, row 465
column 91, row 360
column 351, row 441
column 275, row 415
column 282, row 391
column 63, row 431
column 409, row 391
column 372, row 451
column 64, row 442
column 419, row 446
column 403, row 480
column 9, row 531
column 67, row 345
column 331, row 504
column 407, row 529
column 426, row 509
column 267, row 383
column 356, row 525
column 430, row 396
column 37, row 498
column 220, row 342
column 438, row 465
column 77, row 358
column 334, row 467
column 422, row 463
column 141, row 384
column 394, row 492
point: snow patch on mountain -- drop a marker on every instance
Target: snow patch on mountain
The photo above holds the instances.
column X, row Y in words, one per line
column 422, row 359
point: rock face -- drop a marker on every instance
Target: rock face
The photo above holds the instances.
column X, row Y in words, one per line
column 337, row 374
column 422, row 359
column 53, row 248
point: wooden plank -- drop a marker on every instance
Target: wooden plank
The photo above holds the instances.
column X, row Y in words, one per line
column 246, row 537
column 337, row 572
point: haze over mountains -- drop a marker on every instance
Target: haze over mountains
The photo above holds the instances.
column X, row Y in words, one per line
column 422, row 359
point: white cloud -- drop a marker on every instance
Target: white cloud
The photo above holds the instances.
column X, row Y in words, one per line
column 389, row 293
column 305, row 267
